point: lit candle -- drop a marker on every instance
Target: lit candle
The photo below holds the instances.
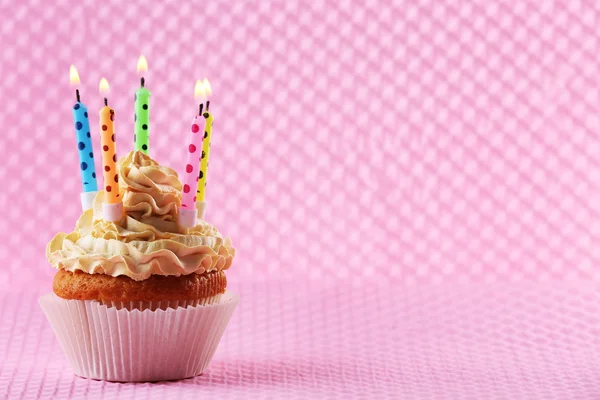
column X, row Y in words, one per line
column 188, row 212
column 141, row 129
column 201, row 192
column 84, row 146
column 112, row 207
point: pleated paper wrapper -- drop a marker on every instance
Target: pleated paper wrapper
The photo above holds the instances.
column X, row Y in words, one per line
column 114, row 343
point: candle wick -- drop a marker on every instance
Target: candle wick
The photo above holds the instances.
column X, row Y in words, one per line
column 77, row 94
column 200, row 109
column 207, row 104
column 105, row 101
column 142, row 81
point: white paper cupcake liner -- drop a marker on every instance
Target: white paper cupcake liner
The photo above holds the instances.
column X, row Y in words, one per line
column 117, row 344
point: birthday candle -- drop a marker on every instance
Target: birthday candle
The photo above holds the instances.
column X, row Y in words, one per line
column 109, row 154
column 141, row 129
column 112, row 206
column 84, row 146
column 187, row 212
column 201, row 192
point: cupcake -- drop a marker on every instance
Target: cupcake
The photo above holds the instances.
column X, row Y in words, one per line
column 142, row 298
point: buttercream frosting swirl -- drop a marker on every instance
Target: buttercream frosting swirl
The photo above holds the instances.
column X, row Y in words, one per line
column 148, row 240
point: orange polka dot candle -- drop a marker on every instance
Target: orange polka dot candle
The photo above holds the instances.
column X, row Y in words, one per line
column 112, row 207
column 188, row 212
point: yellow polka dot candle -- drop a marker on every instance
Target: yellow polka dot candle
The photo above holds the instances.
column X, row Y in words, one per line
column 141, row 129
column 201, row 191
column 112, row 207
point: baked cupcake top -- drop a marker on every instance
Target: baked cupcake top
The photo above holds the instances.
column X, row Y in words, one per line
column 147, row 241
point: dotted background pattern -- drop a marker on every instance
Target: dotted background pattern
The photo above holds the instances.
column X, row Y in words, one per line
column 426, row 172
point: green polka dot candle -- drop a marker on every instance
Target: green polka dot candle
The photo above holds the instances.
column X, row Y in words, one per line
column 141, row 137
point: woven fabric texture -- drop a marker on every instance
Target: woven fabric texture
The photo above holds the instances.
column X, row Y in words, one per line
column 443, row 154
column 296, row 341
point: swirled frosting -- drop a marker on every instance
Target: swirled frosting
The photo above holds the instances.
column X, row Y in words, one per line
column 147, row 240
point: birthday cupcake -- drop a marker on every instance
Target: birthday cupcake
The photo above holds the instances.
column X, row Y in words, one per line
column 140, row 298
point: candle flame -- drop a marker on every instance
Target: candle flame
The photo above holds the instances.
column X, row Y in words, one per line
column 207, row 87
column 142, row 65
column 104, row 88
column 73, row 75
column 199, row 91
column 202, row 90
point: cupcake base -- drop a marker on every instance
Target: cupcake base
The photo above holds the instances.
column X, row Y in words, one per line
column 117, row 344
column 80, row 285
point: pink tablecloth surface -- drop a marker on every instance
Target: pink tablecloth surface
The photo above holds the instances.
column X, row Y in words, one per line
column 293, row 341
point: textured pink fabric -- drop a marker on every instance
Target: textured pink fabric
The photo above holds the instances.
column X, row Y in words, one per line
column 400, row 143
column 297, row 341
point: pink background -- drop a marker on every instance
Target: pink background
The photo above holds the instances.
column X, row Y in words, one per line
column 411, row 187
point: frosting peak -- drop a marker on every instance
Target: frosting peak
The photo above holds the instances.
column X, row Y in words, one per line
column 150, row 190
column 147, row 241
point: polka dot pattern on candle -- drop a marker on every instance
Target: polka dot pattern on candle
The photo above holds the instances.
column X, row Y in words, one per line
column 141, row 125
column 85, row 153
column 109, row 155
column 190, row 176
column 204, row 158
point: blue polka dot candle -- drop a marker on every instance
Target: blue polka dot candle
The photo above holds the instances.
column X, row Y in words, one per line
column 141, row 129
column 84, row 147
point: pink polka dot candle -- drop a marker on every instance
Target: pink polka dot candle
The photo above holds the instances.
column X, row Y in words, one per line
column 188, row 212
